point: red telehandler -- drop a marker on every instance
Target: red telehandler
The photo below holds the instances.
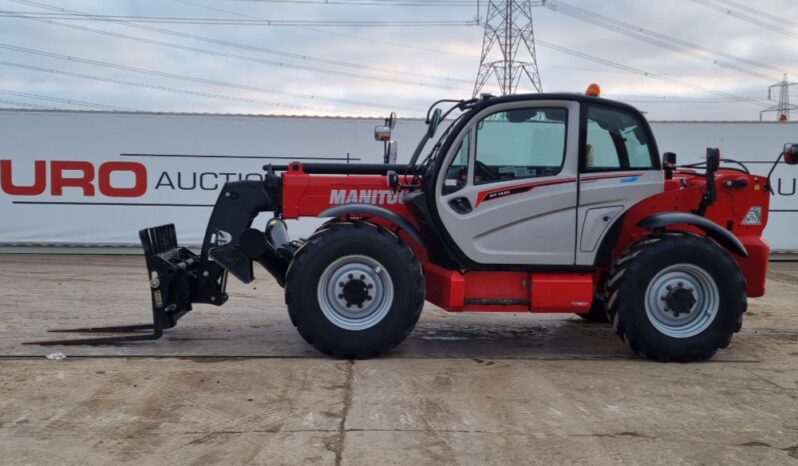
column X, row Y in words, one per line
column 526, row 203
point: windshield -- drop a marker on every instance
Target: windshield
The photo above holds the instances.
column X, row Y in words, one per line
column 434, row 117
column 433, row 154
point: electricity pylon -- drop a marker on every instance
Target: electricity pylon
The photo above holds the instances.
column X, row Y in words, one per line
column 508, row 46
column 783, row 108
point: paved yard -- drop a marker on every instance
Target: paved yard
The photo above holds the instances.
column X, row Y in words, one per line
column 237, row 385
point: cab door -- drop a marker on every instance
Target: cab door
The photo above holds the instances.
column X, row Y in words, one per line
column 619, row 168
column 508, row 194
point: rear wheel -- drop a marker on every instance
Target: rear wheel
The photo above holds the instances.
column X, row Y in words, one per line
column 354, row 290
column 676, row 297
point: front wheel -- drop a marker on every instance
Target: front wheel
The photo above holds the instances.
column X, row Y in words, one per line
column 676, row 297
column 354, row 290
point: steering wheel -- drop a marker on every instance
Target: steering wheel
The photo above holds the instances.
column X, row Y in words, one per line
column 485, row 172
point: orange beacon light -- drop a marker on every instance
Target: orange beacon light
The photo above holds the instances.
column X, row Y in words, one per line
column 593, row 90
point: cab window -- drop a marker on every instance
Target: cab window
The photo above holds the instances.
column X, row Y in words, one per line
column 457, row 173
column 520, row 143
column 616, row 140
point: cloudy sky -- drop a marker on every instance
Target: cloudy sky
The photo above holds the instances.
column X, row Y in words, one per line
column 675, row 59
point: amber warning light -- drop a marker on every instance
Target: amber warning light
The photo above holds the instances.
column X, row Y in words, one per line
column 593, row 90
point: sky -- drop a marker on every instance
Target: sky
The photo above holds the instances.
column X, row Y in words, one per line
column 711, row 60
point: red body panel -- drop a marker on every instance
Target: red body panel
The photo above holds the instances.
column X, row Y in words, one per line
column 683, row 194
column 562, row 292
column 307, row 195
column 521, row 291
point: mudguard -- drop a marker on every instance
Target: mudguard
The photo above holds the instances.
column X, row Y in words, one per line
column 723, row 236
column 375, row 211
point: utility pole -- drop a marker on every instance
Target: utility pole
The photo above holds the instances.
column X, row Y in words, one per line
column 783, row 108
column 508, row 46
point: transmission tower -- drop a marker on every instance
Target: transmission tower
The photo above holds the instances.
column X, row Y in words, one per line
column 783, row 108
column 508, row 33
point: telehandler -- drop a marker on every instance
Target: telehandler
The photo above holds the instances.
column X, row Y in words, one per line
column 543, row 203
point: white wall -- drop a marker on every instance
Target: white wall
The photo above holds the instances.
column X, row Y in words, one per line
column 758, row 145
column 247, row 142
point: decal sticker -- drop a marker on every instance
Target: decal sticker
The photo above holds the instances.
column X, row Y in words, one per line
column 624, row 177
column 754, row 216
column 366, row 196
column 485, row 196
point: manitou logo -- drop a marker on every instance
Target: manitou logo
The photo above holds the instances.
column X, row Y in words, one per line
column 366, row 196
column 81, row 175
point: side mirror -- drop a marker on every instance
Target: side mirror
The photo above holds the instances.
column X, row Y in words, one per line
column 668, row 164
column 713, row 159
column 669, row 158
column 390, row 152
column 382, row 133
column 790, row 154
column 391, row 120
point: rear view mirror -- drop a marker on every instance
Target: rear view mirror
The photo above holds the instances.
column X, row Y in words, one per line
column 669, row 158
column 790, row 154
column 382, row 133
column 713, row 159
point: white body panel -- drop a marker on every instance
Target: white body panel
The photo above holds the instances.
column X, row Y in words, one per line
column 594, row 224
column 535, row 227
column 603, row 198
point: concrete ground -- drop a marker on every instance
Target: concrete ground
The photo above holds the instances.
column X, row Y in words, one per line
column 237, row 385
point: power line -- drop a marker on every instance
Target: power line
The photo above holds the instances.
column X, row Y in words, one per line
column 623, row 68
column 239, row 57
column 661, row 40
column 686, row 100
column 211, row 82
column 747, row 18
column 163, row 88
column 647, row 74
column 228, row 44
column 81, row 103
column 430, row 3
column 730, row 97
column 761, row 13
column 233, row 22
column 25, row 104
column 339, row 34
column 670, row 98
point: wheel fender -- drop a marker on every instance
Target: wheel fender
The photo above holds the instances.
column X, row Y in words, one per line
column 723, row 236
column 375, row 211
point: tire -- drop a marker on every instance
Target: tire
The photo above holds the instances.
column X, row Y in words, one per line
column 597, row 313
column 354, row 290
column 676, row 297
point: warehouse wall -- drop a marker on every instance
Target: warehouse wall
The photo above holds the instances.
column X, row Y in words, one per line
column 187, row 157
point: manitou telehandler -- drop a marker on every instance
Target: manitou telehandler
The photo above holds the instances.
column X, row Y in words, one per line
column 526, row 203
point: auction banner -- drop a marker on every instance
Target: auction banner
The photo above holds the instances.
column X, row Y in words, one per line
column 97, row 178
